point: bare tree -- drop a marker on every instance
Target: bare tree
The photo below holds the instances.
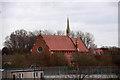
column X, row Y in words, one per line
column 47, row 32
column 59, row 32
column 89, row 39
column 93, row 46
column 18, row 61
column 84, row 64
column 72, row 34
column 79, row 34
column 84, row 59
column 58, row 59
column 20, row 41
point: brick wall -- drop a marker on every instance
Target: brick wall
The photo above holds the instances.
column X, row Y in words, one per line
column 40, row 42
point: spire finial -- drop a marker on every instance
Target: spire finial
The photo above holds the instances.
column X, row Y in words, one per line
column 68, row 28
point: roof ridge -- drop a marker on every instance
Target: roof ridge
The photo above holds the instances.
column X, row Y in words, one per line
column 53, row 35
column 83, row 43
column 72, row 41
column 45, row 42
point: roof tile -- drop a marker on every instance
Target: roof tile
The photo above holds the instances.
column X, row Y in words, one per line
column 58, row 42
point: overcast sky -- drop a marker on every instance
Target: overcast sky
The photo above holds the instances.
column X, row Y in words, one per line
column 98, row 18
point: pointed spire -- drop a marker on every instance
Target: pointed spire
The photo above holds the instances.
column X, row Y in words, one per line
column 68, row 28
column 40, row 32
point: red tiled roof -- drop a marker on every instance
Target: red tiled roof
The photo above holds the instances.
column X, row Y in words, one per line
column 81, row 45
column 58, row 42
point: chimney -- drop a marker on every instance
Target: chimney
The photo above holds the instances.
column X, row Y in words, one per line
column 77, row 46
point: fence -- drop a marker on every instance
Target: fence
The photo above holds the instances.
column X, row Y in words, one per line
column 72, row 73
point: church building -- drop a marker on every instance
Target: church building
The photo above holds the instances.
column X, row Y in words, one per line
column 59, row 44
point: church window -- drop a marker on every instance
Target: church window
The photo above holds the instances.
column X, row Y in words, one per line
column 40, row 49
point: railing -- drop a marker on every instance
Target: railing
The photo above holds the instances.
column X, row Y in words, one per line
column 76, row 72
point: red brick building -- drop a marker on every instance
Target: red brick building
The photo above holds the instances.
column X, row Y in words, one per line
column 59, row 44
column 97, row 52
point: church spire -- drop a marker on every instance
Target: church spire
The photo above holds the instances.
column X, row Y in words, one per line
column 68, row 28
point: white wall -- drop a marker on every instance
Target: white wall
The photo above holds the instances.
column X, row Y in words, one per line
column 27, row 74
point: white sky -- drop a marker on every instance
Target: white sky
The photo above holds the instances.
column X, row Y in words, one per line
column 98, row 18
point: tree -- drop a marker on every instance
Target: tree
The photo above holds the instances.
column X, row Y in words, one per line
column 93, row 46
column 47, row 60
column 20, row 41
column 114, row 53
column 80, row 34
column 84, row 63
column 72, row 34
column 105, row 60
column 59, row 32
column 42, row 60
column 84, row 59
column 47, row 32
column 87, row 38
column 18, row 61
column 58, row 59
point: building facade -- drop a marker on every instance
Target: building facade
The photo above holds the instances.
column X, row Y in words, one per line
column 97, row 52
column 22, row 74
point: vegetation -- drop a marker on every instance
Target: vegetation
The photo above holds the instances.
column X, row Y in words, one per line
column 18, row 61
column 58, row 60
column 84, row 59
